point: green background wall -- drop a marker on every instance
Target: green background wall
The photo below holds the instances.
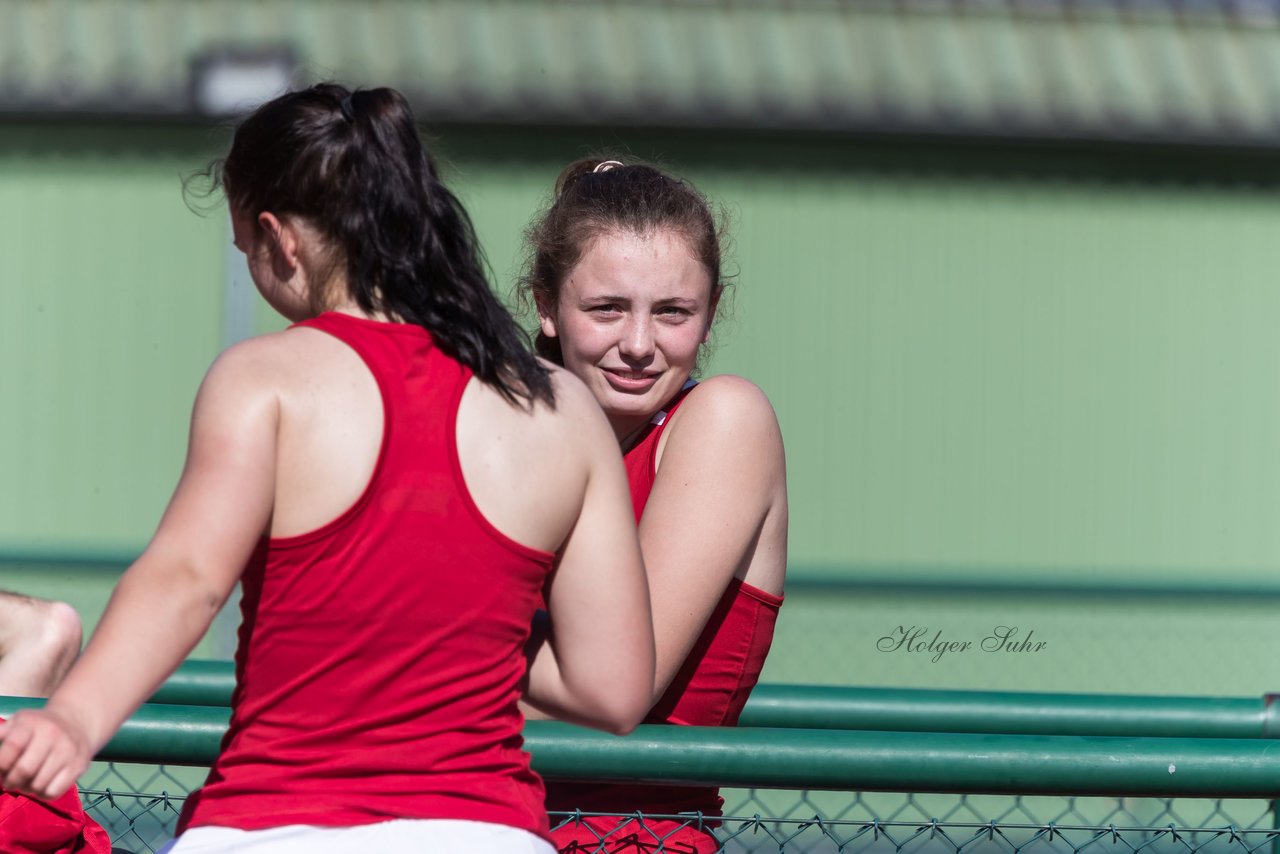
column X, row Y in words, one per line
column 1024, row 387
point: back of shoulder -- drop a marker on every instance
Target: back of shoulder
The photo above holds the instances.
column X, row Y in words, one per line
column 530, row 468
column 577, row 420
column 253, row 366
column 277, row 358
column 557, row 442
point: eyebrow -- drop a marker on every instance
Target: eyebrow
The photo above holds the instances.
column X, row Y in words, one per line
column 683, row 302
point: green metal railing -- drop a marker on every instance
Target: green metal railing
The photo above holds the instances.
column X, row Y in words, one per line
column 823, row 759
column 199, row 683
column 209, row 683
column 920, row 710
column 821, row 790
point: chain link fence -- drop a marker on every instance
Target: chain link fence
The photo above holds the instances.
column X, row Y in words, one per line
column 1155, row 774
column 139, row 807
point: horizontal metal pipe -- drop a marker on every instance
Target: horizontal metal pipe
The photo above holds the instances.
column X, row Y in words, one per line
column 854, row 578
column 919, row 710
column 199, row 683
column 960, row 763
column 161, row 734
column 210, row 683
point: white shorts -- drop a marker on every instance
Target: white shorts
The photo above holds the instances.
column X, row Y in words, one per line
column 399, row 836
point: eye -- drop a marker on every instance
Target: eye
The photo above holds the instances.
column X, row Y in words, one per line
column 605, row 308
column 674, row 312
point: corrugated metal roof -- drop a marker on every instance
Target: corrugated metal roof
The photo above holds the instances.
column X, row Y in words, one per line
column 1124, row 69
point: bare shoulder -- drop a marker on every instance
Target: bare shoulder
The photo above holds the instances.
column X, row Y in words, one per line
column 277, row 359
column 540, row 429
column 727, row 404
column 252, row 365
column 575, row 409
column 730, row 391
column 573, row 399
column 529, row 468
column 243, row 387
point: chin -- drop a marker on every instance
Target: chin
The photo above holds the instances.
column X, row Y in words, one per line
column 618, row 406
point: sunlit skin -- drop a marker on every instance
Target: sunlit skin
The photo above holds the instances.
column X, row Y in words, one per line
column 630, row 318
column 285, row 435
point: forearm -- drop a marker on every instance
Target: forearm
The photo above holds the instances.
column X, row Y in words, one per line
column 546, row 697
column 603, row 700
column 160, row 609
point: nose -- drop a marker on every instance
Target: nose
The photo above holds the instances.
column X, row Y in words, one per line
column 637, row 339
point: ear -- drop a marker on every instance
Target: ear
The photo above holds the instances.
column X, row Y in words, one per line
column 285, row 243
column 546, row 319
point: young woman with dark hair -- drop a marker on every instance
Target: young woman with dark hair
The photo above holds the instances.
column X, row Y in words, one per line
column 625, row 270
column 391, row 479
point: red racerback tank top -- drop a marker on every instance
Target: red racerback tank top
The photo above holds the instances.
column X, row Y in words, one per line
column 380, row 655
column 712, row 685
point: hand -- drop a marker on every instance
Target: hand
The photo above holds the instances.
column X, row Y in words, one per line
column 42, row 753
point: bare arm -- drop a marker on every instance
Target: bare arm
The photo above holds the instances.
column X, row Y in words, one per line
column 717, row 510
column 167, row 598
column 597, row 665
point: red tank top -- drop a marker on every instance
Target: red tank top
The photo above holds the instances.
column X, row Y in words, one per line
column 380, row 656
column 712, row 685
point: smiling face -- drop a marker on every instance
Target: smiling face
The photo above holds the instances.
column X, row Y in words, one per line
column 630, row 318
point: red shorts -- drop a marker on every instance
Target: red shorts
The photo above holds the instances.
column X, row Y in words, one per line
column 608, row 834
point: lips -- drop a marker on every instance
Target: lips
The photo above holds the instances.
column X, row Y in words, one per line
column 632, row 381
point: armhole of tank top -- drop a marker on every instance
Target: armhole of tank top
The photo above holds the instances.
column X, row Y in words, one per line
column 460, row 482
column 665, row 415
column 764, row 597
column 356, row 506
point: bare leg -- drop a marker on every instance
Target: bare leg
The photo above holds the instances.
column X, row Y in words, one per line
column 39, row 641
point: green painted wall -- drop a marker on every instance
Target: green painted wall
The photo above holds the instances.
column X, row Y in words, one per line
column 1003, row 365
column 979, row 366
column 110, row 311
column 1095, row 644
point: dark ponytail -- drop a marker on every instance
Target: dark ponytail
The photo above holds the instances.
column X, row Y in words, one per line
column 352, row 164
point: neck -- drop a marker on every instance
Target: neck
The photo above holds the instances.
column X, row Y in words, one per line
column 349, row 306
column 628, row 430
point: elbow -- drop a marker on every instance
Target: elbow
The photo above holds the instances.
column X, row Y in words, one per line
column 619, row 711
column 611, row 692
column 631, row 714
column 191, row 586
column 631, row 705
column 623, row 728
column 624, row 719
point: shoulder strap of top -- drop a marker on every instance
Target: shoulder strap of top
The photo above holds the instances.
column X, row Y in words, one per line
column 660, row 417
